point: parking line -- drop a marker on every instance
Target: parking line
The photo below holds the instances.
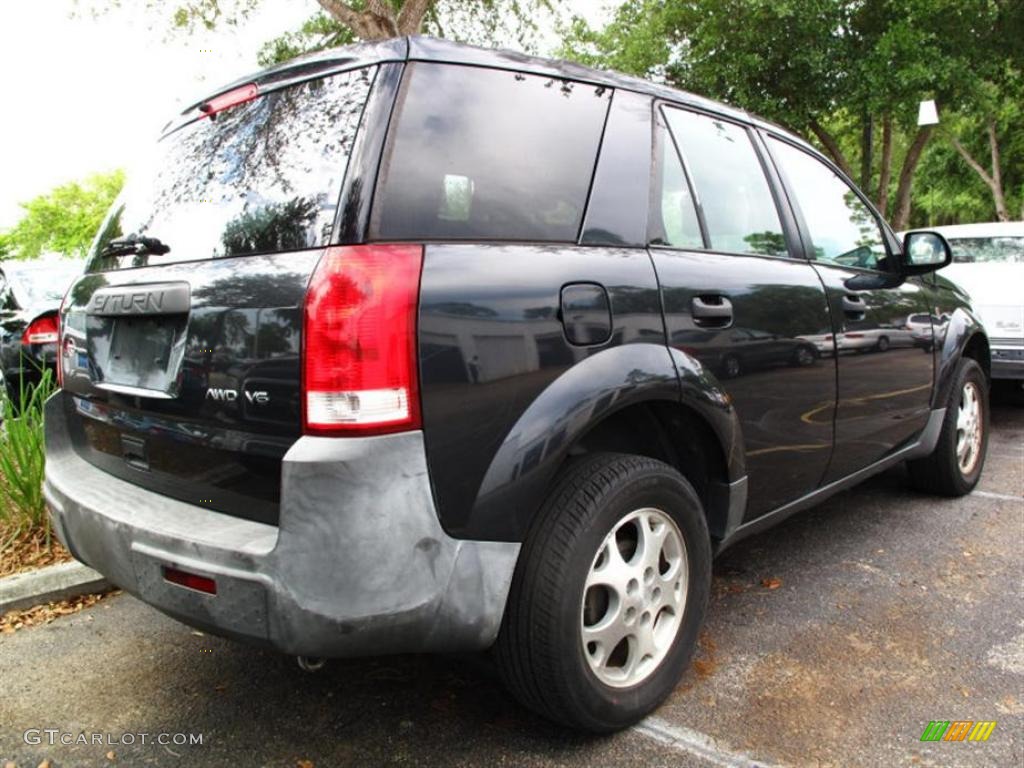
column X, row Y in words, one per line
column 999, row 496
column 695, row 743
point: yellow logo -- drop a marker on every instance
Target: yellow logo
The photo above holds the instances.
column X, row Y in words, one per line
column 958, row 730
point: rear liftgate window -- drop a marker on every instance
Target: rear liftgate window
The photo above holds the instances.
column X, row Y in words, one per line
column 484, row 154
column 262, row 176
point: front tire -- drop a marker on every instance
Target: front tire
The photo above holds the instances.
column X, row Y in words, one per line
column 954, row 467
column 609, row 594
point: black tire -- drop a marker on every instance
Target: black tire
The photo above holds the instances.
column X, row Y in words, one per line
column 539, row 650
column 940, row 472
column 805, row 356
column 883, row 343
column 731, row 367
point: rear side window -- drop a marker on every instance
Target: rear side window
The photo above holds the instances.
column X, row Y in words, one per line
column 484, row 154
column 260, row 177
column 1008, row 250
column 734, row 195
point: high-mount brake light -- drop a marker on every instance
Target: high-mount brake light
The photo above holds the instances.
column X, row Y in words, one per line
column 231, row 98
column 359, row 336
column 42, row 330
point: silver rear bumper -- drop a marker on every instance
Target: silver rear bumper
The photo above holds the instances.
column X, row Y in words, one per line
column 359, row 565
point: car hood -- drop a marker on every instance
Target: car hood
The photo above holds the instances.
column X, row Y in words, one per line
column 996, row 296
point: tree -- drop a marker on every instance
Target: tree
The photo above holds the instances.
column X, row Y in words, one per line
column 988, row 115
column 64, row 220
column 340, row 23
column 831, row 69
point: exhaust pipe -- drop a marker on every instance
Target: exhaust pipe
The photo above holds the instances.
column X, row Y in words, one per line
column 310, row 663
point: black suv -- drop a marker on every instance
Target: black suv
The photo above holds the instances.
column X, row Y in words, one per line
column 412, row 346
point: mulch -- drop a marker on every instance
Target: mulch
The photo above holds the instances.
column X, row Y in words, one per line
column 27, row 550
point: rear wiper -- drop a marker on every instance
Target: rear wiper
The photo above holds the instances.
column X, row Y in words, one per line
column 140, row 246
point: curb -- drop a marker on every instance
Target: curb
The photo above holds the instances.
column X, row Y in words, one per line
column 54, row 582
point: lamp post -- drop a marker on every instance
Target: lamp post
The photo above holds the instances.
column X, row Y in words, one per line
column 927, row 115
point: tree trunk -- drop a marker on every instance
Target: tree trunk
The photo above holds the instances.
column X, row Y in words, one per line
column 867, row 150
column 377, row 21
column 997, row 174
column 831, row 146
column 901, row 217
column 885, row 173
column 994, row 181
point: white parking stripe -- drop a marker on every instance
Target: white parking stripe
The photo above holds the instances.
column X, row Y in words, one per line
column 695, row 743
column 1000, row 496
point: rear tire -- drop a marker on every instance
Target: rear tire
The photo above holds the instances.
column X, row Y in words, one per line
column 558, row 604
column 731, row 367
column 954, row 467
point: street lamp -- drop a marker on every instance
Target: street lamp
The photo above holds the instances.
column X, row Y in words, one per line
column 927, row 114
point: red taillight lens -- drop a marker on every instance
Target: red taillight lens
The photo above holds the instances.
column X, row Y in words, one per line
column 191, row 580
column 359, row 336
column 42, row 330
column 230, row 99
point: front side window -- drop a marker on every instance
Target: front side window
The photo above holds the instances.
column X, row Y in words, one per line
column 737, row 202
column 843, row 229
column 486, row 154
column 260, row 177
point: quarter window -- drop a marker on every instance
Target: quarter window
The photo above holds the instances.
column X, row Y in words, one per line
column 843, row 229
column 486, row 154
column 679, row 225
column 737, row 202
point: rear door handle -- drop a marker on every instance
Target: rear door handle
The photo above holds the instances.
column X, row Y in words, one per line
column 712, row 311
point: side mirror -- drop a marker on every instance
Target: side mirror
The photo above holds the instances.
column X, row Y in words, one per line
column 924, row 252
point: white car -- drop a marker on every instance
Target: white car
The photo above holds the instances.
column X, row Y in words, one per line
column 988, row 262
column 920, row 327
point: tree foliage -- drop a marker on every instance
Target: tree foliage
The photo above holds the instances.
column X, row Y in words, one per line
column 340, row 23
column 840, row 71
column 64, row 220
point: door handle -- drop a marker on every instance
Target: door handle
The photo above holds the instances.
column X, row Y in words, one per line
column 712, row 311
column 854, row 306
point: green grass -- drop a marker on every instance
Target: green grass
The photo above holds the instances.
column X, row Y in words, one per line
column 22, row 458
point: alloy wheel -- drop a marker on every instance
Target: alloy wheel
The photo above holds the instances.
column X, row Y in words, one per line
column 968, row 428
column 634, row 598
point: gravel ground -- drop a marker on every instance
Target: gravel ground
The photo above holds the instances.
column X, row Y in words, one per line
column 892, row 609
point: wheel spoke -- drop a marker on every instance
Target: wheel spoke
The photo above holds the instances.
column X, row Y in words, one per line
column 611, row 570
column 607, row 634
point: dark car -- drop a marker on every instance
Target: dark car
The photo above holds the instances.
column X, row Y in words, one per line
column 379, row 356
column 30, row 296
column 739, row 351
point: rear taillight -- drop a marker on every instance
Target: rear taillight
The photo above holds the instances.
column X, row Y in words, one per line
column 359, row 341
column 42, row 330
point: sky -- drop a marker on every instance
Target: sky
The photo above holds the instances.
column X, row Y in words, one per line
column 85, row 94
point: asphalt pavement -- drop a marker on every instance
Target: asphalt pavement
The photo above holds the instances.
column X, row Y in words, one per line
column 832, row 639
